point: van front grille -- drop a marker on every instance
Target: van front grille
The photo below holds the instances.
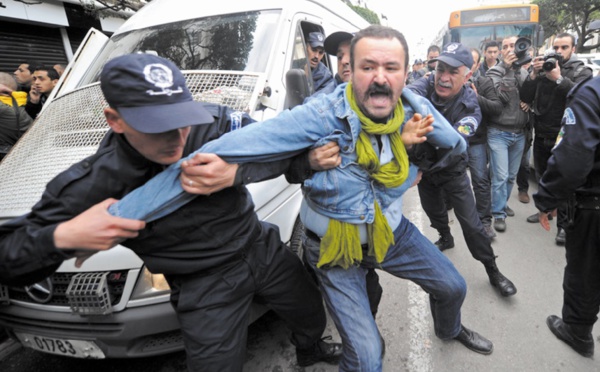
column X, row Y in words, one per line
column 60, row 282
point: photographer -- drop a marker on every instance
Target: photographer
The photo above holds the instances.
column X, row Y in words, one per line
column 545, row 89
column 507, row 131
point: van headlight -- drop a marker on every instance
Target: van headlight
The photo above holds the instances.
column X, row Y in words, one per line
column 150, row 285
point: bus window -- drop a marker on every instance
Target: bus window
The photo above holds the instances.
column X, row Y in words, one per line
column 474, row 27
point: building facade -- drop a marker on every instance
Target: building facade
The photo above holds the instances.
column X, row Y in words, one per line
column 48, row 32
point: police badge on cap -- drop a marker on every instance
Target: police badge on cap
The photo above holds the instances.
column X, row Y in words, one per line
column 162, row 77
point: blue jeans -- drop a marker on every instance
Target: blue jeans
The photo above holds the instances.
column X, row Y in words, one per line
column 506, row 150
column 412, row 257
column 480, row 180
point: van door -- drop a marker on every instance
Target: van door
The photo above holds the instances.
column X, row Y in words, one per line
column 88, row 50
column 305, row 24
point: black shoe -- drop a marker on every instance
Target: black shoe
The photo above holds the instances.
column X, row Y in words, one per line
column 560, row 237
column 504, row 285
column 535, row 218
column 509, row 212
column 446, row 241
column 499, row 224
column 489, row 231
column 321, row 351
column 382, row 346
column 474, row 341
column 563, row 331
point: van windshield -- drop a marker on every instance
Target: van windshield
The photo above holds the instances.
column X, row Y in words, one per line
column 237, row 42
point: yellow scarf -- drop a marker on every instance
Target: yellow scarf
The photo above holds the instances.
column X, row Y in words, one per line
column 20, row 97
column 341, row 244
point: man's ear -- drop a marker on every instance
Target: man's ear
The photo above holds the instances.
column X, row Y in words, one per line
column 114, row 120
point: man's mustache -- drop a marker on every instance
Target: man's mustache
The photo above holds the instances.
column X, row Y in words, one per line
column 444, row 85
column 379, row 89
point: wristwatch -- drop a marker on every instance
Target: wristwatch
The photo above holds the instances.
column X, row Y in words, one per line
column 559, row 80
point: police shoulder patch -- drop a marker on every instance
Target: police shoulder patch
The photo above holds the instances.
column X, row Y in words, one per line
column 569, row 117
column 467, row 125
column 236, row 120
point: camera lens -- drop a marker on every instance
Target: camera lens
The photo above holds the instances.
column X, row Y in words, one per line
column 549, row 64
column 522, row 44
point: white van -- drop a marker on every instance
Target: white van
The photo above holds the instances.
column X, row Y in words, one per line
column 236, row 53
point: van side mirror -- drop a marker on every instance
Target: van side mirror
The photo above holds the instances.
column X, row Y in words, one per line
column 297, row 88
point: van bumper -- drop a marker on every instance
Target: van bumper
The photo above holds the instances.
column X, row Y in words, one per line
column 134, row 332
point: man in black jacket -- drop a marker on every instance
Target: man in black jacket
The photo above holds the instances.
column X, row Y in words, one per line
column 214, row 252
column 546, row 90
column 491, row 51
column 44, row 81
column 490, row 105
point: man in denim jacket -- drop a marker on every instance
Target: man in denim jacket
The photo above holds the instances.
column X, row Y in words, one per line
column 353, row 213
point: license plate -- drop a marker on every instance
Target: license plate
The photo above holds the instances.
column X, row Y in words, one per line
column 59, row 346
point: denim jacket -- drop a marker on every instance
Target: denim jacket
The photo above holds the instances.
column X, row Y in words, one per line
column 345, row 193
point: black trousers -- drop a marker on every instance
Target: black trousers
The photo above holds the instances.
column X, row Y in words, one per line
column 456, row 186
column 542, row 150
column 213, row 308
column 581, row 283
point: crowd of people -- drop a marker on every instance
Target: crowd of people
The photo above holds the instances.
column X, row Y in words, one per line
column 542, row 99
column 356, row 145
column 526, row 106
column 22, row 96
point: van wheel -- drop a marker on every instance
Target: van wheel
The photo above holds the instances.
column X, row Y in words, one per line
column 296, row 239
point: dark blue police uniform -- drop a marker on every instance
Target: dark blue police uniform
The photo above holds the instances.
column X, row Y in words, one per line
column 453, row 179
column 573, row 178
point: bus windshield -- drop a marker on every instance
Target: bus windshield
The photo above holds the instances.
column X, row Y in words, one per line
column 474, row 27
column 476, row 37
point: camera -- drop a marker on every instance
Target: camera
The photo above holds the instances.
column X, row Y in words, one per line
column 550, row 61
column 522, row 45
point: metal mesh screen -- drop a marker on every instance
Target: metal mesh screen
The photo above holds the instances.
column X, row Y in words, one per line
column 72, row 126
column 236, row 90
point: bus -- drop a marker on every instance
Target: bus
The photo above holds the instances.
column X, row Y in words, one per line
column 474, row 27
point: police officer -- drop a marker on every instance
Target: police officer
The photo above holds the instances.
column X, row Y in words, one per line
column 458, row 103
column 216, row 257
column 573, row 175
